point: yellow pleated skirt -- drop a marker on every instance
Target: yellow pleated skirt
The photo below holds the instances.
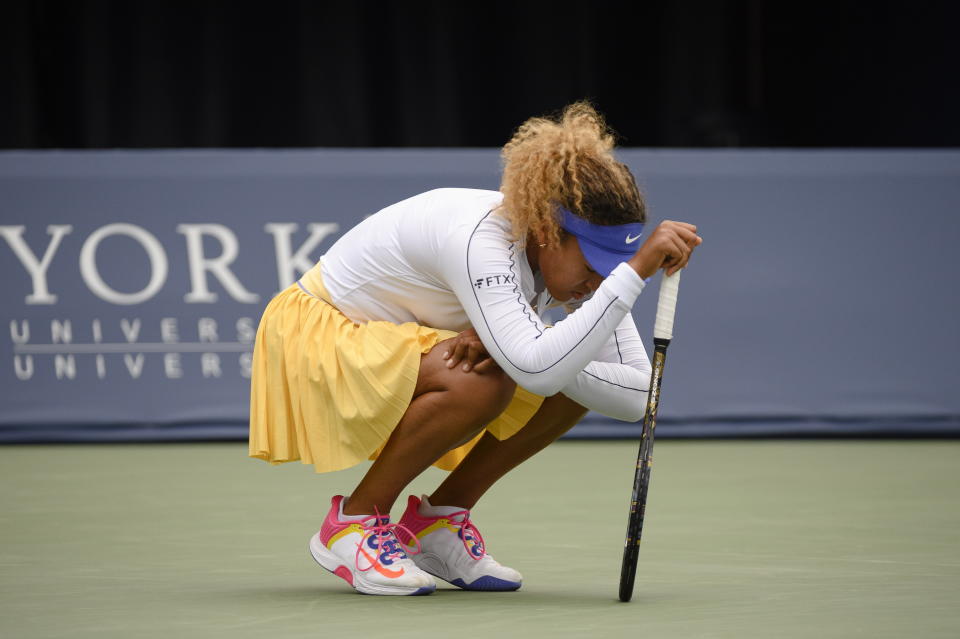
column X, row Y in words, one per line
column 329, row 392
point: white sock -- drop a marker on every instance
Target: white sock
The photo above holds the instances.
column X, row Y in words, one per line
column 428, row 510
column 343, row 517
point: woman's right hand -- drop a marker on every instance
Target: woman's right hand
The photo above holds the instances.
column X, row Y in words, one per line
column 669, row 247
column 467, row 348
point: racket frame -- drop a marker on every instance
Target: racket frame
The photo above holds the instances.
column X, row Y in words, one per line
column 641, row 477
column 662, row 334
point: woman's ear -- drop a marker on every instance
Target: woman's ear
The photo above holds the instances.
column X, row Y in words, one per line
column 537, row 237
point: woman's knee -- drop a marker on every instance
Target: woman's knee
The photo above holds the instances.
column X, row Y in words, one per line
column 489, row 392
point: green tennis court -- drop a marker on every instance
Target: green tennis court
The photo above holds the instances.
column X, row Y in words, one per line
column 742, row 539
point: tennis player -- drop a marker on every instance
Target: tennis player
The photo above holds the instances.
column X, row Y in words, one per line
column 417, row 340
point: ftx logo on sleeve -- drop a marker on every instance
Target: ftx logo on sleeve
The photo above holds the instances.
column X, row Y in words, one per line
column 494, row 280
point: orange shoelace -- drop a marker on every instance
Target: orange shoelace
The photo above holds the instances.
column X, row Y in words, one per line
column 381, row 536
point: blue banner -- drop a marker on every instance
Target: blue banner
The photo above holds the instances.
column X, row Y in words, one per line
column 133, row 281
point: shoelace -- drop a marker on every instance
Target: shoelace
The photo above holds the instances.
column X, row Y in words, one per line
column 387, row 548
column 466, row 526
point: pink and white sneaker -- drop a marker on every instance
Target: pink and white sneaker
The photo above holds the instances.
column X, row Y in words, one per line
column 452, row 548
column 366, row 554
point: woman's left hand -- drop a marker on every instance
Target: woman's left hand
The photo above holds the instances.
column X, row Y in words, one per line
column 466, row 348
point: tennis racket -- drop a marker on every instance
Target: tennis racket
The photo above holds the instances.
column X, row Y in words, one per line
column 662, row 334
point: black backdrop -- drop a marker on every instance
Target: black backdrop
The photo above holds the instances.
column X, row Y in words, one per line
column 287, row 74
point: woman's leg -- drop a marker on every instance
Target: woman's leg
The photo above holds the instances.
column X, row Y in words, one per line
column 449, row 408
column 491, row 458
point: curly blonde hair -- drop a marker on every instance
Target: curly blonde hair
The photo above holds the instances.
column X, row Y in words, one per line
column 567, row 161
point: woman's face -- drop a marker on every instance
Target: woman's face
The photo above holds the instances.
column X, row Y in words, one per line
column 566, row 272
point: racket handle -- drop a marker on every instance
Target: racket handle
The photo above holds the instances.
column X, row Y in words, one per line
column 666, row 306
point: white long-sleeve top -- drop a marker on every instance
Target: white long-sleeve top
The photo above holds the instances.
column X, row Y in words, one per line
column 446, row 259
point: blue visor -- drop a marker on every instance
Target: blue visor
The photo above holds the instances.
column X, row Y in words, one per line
column 605, row 247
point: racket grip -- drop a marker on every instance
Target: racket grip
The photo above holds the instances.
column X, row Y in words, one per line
column 666, row 306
